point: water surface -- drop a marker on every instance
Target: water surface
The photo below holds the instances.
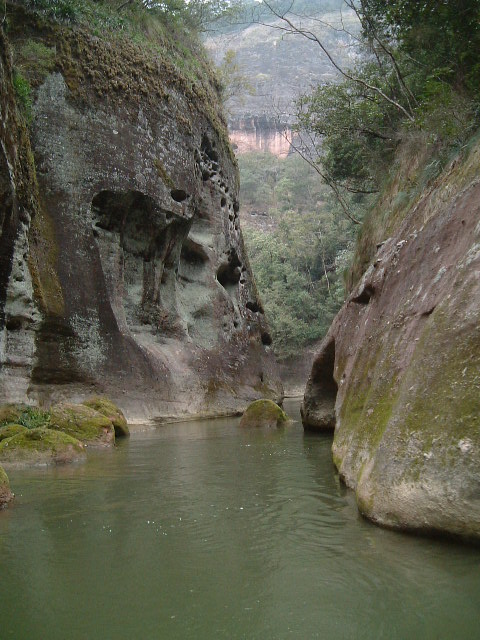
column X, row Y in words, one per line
column 205, row 531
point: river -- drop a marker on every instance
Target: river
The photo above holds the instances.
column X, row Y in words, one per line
column 202, row 530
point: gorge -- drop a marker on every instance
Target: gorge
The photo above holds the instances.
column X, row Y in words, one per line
column 127, row 294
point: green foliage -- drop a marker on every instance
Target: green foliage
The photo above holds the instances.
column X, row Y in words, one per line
column 299, row 264
column 32, row 418
column 417, row 74
column 34, row 60
column 232, row 79
column 442, row 37
column 57, row 9
column 23, row 92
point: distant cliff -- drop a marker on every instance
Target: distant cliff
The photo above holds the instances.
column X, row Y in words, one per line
column 259, row 133
column 123, row 269
column 398, row 374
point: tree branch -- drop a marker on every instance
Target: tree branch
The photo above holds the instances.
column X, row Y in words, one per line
column 309, row 35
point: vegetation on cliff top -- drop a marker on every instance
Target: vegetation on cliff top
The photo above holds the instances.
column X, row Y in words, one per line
column 413, row 91
column 156, row 47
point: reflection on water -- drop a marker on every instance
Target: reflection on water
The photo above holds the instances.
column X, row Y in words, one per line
column 204, row 530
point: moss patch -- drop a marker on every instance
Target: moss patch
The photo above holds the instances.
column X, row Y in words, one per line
column 168, row 182
column 11, row 430
column 40, row 446
column 42, row 262
column 5, row 494
column 83, row 423
column 107, row 408
column 263, row 413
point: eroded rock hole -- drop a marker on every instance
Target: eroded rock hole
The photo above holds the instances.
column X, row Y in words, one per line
column 266, row 338
column 208, row 150
column 179, row 195
column 229, row 273
column 193, row 252
column 318, row 411
column 150, row 241
column 365, row 296
column 254, row 306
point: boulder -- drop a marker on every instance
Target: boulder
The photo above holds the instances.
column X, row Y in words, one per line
column 83, row 423
column 263, row 413
column 5, row 494
column 107, row 408
column 11, row 430
column 40, row 446
column 400, row 365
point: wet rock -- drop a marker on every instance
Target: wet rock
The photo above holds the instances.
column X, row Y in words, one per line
column 5, row 493
column 123, row 278
column 107, row 408
column 39, row 447
column 401, row 363
column 263, row 413
column 83, row 423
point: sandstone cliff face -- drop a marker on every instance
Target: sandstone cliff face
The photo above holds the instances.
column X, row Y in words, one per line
column 398, row 375
column 259, row 134
column 131, row 278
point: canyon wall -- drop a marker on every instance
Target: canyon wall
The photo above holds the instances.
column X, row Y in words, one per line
column 259, row 134
column 124, row 271
column 398, row 375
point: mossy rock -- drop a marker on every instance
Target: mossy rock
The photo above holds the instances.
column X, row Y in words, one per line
column 263, row 413
column 5, row 494
column 11, row 430
column 83, row 423
column 40, row 446
column 107, row 408
column 10, row 413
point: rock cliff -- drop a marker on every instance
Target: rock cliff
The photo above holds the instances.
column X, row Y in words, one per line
column 123, row 269
column 398, row 375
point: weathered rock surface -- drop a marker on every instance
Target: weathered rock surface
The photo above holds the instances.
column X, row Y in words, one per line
column 124, row 273
column 263, row 413
column 404, row 352
column 5, row 493
column 39, row 447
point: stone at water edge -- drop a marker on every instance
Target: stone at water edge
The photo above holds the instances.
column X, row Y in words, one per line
column 5, row 494
column 109, row 409
column 11, row 430
column 83, row 423
column 40, row 446
column 263, row 413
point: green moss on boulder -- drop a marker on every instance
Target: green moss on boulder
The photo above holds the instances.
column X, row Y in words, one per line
column 11, row 430
column 40, row 446
column 83, row 423
column 107, row 408
column 5, row 494
column 263, row 413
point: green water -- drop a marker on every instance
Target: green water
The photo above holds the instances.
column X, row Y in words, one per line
column 206, row 531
